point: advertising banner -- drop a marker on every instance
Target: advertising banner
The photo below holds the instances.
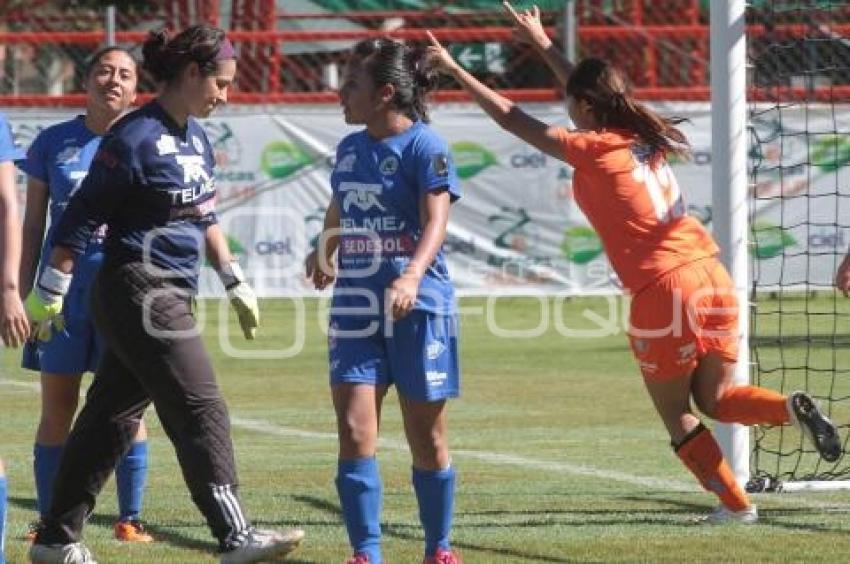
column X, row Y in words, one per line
column 517, row 229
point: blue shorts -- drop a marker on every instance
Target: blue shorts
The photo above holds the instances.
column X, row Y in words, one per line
column 419, row 354
column 75, row 350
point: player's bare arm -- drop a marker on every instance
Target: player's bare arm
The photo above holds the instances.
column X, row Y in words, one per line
column 503, row 111
column 529, row 29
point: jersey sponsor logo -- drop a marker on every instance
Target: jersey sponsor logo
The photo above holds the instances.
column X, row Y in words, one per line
column 687, row 353
column 435, row 349
column 77, row 177
column 99, row 234
column 182, row 196
column 389, row 165
column 372, row 244
column 68, row 155
column 332, row 342
column 346, row 163
column 193, row 168
column 648, row 367
column 167, row 145
column 435, row 378
column 380, row 223
column 197, row 144
column 361, row 195
column 441, row 164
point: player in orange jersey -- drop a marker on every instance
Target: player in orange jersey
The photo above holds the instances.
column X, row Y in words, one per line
column 842, row 276
column 683, row 320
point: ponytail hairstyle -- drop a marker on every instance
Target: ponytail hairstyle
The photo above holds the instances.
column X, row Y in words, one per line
column 388, row 61
column 165, row 56
column 606, row 90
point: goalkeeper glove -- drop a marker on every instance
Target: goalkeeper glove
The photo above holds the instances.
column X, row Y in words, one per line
column 44, row 303
column 242, row 298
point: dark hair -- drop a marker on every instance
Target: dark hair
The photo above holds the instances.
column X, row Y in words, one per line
column 388, row 61
column 165, row 56
column 606, row 89
column 96, row 57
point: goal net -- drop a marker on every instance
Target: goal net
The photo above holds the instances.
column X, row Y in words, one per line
column 799, row 205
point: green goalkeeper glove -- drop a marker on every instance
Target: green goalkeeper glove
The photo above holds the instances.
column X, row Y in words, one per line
column 242, row 297
column 44, row 303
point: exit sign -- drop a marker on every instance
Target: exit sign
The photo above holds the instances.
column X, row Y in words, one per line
column 480, row 57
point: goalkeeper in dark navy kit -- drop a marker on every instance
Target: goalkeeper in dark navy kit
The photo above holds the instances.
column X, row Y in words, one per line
column 152, row 184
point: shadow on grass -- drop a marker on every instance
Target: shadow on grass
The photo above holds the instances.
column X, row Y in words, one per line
column 770, row 517
column 163, row 535
column 401, row 532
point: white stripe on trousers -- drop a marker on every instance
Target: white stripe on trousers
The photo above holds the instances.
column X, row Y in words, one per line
column 230, row 509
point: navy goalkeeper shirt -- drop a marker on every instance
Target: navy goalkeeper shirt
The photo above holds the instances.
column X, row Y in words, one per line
column 152, row 183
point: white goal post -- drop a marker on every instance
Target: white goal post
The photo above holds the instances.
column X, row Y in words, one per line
column 729, row 190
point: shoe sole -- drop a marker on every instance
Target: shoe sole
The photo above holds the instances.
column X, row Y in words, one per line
column 276, row 552
column 817, row 427
column 715, row 523
column 709, row 520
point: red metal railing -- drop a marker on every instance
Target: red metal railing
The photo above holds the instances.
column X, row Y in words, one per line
column 662, row 45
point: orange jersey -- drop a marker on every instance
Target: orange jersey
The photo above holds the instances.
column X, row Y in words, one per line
column 636, row 209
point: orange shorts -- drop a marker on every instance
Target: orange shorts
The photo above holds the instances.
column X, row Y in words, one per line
column 681, row 317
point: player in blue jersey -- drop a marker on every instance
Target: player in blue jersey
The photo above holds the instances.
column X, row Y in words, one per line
column 152, row 183
column 393, row 317
column 14, row 327
column 56, row 164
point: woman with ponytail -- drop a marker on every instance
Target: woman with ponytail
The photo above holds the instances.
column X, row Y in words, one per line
column 152, row 183
column 683, row 325
column 393, row 315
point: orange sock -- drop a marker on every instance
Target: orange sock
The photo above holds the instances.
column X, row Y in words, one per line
column 701, row 454
column 751, row 405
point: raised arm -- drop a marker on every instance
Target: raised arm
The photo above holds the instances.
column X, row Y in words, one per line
column 529, row 29
column 503, row 111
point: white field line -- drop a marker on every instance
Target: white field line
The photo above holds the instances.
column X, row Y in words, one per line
column 503, row 459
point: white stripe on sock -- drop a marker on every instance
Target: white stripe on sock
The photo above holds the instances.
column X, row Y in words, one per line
column 241, row 521
column 225, row 511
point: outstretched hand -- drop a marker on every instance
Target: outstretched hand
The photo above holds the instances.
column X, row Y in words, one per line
column 438, row 57
column 527, row 26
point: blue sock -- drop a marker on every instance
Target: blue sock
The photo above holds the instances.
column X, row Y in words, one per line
column 435, row 491
column 358, row 483
column 45, row 464
column 130, row 476
column 2, row 519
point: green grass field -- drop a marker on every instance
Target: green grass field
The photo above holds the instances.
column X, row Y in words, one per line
column 560, row 457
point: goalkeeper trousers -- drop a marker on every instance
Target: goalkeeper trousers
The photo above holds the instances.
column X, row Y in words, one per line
column 153, row 353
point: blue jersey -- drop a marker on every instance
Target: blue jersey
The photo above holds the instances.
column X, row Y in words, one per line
column 379, row 186
column 60, row 157
column 9, row 151
column 152, row 183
